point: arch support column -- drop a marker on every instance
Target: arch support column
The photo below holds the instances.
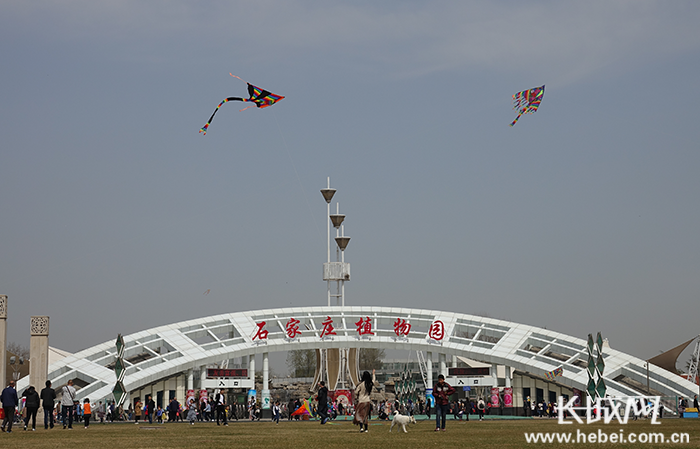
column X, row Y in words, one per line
column 442, row 367
column 265, row 396
column 429, row 376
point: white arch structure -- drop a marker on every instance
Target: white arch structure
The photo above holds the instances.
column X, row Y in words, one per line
column 173, row 349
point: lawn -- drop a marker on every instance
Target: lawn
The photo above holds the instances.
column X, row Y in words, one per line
column 310, row 435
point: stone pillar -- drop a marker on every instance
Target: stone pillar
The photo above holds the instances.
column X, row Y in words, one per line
column 39, row 351
column 508, row 385
column 3, row 341
column 190, row 379
column 454, row 361
column 494, row 374
column 265, row 396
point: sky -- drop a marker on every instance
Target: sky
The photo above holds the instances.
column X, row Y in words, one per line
column 118, row 216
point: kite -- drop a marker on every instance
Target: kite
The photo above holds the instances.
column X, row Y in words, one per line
column 551, row 375
column 527, row 101
column 206, row 292
column 304, row 409
column 261, row 97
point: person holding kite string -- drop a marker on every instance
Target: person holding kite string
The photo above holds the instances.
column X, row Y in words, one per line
column 363, row 409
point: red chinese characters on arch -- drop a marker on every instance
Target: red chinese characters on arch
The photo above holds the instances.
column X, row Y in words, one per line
column 364, row 326
column 437, row 330
column 261, row 333
column 402, row 327
column 328, row 328
column 292, row 328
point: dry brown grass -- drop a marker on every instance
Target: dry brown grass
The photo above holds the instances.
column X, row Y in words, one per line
column 311, row 435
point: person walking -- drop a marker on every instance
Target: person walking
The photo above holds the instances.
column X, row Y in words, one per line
column 100, row 412
column 150, row 408
column 442, row 392
column 221, row 408
column 10, row 401
column 207, row 411
column 526, row 406
column 276, row 412
column 192, row 413
column 481, row 407
column 291, row 407
column 323, row 403
column 363, row 409
column 32, row 405
column 173, row 409
column 48, row 399
column 68, row 392
column 138, row 409
column 87, row 412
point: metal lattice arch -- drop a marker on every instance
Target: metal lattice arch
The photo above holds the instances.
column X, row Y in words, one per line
column 170, row 350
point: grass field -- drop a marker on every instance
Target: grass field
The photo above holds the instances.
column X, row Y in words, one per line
column 310, row 435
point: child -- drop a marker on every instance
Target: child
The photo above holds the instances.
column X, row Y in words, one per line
column 276, row 412
column 87, row 412
column 192, row 413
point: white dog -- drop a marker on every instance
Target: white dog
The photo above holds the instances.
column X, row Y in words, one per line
column 401, row 420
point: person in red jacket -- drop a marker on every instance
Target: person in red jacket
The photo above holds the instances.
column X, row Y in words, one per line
column 442, row 392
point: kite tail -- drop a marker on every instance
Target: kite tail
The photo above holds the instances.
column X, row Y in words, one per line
column 205, row 128
column 516, row 119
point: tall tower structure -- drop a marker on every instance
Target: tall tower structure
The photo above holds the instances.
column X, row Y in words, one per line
column 3, row 339
column 336, row 366
column 328, row 196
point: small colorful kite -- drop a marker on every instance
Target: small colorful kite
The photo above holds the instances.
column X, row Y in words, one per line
column 304, row 409
column 551, row 375
column 527, row 101
column 260, row 97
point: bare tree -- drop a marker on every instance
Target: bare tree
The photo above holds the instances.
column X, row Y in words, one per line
column 371, row 358
column 18, row 350
column 302, row 362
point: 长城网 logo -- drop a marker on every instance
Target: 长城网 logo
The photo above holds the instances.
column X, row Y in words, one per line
column 609, row 409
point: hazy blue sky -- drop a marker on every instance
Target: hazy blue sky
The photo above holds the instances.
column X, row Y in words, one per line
column 117, row 215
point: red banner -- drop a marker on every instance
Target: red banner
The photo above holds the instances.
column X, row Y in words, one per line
column 508, row 397
column 495, row 400
column 342, row 396
column 190, row 397
column 203, row 396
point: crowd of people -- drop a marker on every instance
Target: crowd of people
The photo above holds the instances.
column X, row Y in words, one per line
column 69, row 410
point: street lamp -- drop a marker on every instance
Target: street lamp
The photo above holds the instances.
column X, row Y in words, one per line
column 338, row 271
